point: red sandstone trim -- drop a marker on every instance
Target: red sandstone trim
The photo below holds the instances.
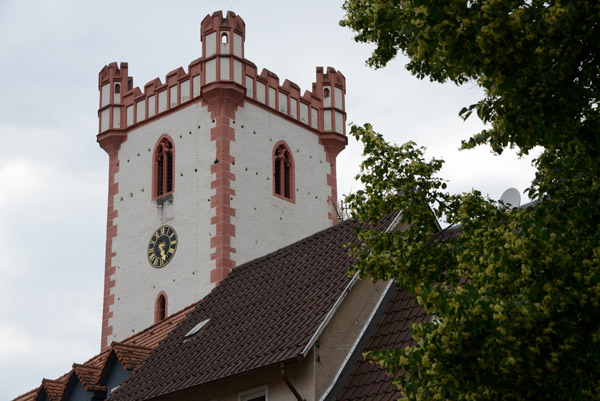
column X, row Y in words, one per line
column 333, row 145
column 111, row 234
column 222, row 99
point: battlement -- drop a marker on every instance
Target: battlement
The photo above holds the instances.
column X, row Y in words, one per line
column 123, row 107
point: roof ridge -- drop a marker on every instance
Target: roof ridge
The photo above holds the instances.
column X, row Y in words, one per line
column 122, row 344
column 84, row 366
column 53, row 396
column 25, row 394
column 159, row 324
column 89, row 381
column 309, row 238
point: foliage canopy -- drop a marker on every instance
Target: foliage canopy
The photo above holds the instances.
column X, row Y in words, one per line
column 537, row 60
column 517, row 294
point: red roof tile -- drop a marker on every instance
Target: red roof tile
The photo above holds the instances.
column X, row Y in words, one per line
column 264, row 312
column 150, row 337
column 31, row 395
column 130, row 356
column 88, row 376
column 54, row 388
column 145, row 339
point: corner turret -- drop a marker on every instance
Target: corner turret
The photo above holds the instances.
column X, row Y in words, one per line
column 331, row 88
column 223, row 46
column 112, row 82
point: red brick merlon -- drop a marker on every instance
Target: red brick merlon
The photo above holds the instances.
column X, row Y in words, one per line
column 223, row 99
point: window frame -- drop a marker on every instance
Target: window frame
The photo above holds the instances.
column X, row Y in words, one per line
column 157, row 317
column 160, row 171
column 280, row 180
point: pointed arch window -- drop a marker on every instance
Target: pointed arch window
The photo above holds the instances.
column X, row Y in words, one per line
column 160, row 307
column 164, row 167
column 283, row 172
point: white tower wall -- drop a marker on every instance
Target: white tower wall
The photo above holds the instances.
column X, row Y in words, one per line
column 224, row 120
column 264, row 222
column 186, row 278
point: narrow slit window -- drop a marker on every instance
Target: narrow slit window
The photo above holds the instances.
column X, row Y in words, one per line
column 163, row 167
column 160, row 308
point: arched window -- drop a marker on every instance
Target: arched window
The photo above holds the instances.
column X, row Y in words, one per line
column 283, row 172
column 163, row 172
column 160, row 307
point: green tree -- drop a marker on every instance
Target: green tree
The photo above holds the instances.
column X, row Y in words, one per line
column 526, row 323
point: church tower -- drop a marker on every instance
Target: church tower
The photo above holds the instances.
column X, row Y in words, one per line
column 214, row 167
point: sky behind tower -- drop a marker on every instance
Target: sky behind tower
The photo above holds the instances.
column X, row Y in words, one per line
column 54, row 176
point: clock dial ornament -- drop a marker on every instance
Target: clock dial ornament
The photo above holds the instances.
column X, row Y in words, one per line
column 162, row 246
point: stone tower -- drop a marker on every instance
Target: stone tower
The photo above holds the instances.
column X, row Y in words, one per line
column 214, row 167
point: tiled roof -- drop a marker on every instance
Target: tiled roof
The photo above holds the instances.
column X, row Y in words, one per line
column 369, row 381
column 150, row 337
column 88, row 376
column 130, row 356
column 98, row 360
column 264, row 312
column 449, row 233
column 87, row 372
column 54, row 388
column 28, row 396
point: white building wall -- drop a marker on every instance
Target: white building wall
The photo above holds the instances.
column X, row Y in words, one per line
column 264, row 222
column 187, row 277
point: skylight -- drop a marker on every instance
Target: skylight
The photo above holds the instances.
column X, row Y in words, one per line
column 197, row 330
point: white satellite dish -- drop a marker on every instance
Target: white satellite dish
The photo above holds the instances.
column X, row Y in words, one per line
column 511, row 197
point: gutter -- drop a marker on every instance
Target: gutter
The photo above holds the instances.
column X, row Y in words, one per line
column 289, row 383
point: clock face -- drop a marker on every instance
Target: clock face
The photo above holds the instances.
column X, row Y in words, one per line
column 162, row 246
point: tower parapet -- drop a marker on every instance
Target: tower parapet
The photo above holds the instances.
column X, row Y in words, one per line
column 123, row 106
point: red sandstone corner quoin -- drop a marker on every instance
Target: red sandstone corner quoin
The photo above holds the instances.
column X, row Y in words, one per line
column 222, row 100
column 223, row 80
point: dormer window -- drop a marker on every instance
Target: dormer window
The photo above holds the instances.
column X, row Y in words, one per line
column 163, row 172
column 283, row 172
column 197, row 330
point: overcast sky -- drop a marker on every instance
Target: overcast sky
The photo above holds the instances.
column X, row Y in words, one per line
column 53, row 175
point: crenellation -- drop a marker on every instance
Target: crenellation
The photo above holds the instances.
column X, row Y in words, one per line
column 223, row 117
column 322, row 109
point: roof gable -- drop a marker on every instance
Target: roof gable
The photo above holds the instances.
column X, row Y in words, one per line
column 88, row 376
column 53, row 389
column 129, row 357
column 263, row 313
column 148, row 338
